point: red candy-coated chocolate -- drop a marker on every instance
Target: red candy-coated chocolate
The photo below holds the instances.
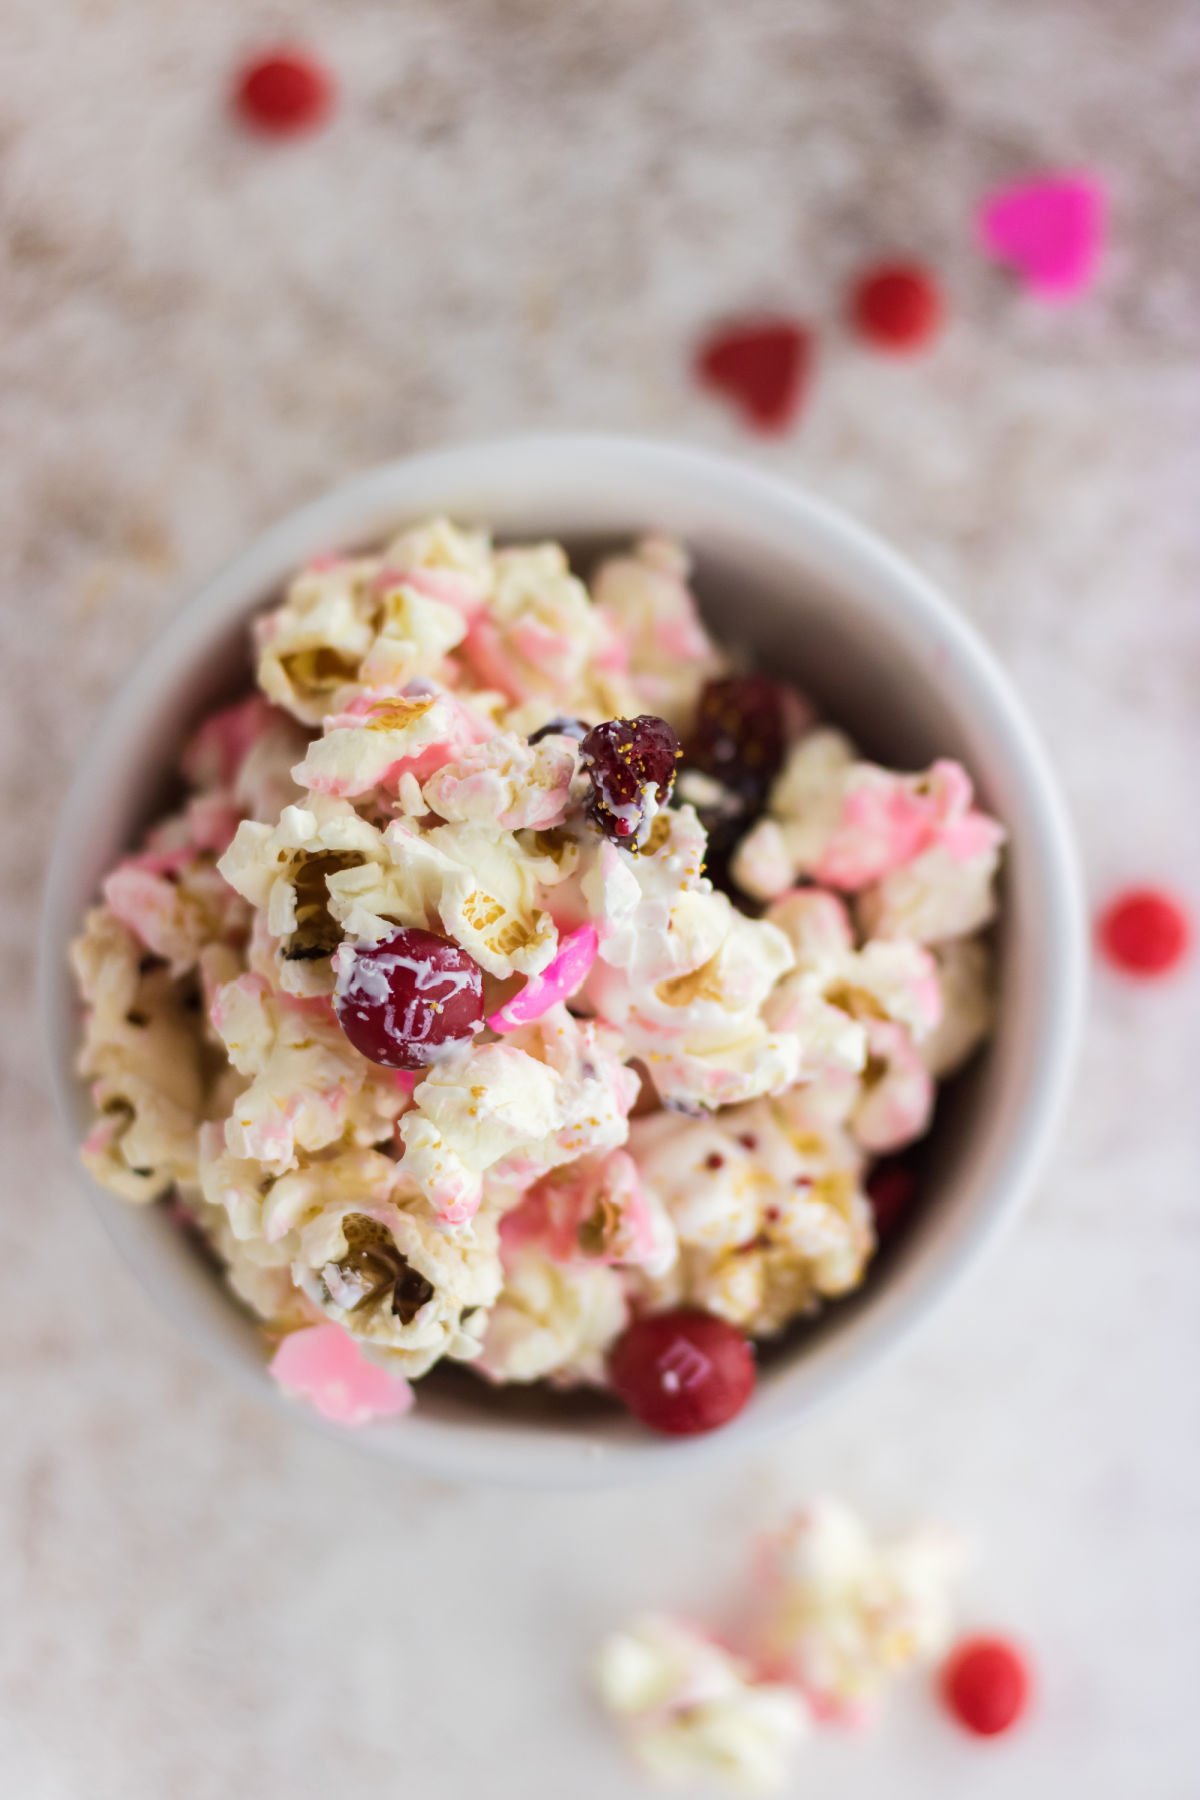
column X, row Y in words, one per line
column 283, row 93
column 986, row 1685
column 408, row 1000
column 739, row 737
column 891, row 1189
column 762, row 366
column 897, row 306
column 682, row 1372
column 1145, row 932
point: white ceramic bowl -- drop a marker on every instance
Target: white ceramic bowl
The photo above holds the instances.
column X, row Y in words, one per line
column 810, row 593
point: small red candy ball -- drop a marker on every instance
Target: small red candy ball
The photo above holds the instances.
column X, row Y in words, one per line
column 986, row 1685
column 409, row 1000
column 682, row 1372
column 1144, row 932
column 283, row 94
column 891, row 1189
column 897, row 307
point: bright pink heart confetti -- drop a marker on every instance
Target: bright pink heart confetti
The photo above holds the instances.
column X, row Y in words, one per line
column 1051, row 229
column 558, row 981
column 323, row 1364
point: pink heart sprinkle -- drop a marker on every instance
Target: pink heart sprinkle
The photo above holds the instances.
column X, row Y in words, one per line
column 558, row 981
column 324, row 1365
column 1051, row 229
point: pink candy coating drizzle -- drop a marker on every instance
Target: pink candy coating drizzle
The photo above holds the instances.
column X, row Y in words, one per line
column 324, row 1365
column 558, row 981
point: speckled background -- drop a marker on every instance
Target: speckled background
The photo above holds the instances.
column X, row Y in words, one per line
column 522, row 214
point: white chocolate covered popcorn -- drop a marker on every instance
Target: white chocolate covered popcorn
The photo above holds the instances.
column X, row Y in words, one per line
column 943, row 893
column 505, row 781
column 307, row 1087
column 175, row 903
column 767, row 1209
column 265, row 1288
column 692, row 1711
column 835, row 991
column 324, row 874
column 842, row 1614
column 552, row 1093
column 684, row 976
column 852, row 825
column 597, row 1209
column 437, row 1015
column 964, row 973
column 397, row 1281
column 243, row 755
column 554, row 1321
column 667, row 655
column 354, row 623
column 380, row 738
column 142, row 1054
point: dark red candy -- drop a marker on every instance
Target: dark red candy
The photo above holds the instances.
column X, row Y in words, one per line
column 891, row 1189
column 682, row 1372
column 409, row 1000
column 986, row 1685
column 284, row 93
column 897, row 307
column 739, row 740
column 631, row 767
column 739, row 736
column 1145, row 932
column 762, row 366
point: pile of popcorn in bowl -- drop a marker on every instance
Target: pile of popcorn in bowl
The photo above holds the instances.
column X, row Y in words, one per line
column 523, row 982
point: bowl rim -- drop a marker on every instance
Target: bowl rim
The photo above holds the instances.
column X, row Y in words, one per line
column 532, row 1457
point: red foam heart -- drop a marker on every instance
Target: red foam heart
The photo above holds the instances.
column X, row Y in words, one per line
column 762, row 365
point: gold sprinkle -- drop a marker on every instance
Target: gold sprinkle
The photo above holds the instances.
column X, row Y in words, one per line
column 398, row 714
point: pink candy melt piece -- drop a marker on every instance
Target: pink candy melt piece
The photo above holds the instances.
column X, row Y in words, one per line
column 324, row 1365
column 557, row 982
column 1051, row 229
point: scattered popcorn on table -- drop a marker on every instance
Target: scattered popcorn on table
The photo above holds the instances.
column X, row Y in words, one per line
column 515, row 977
column 835, row 1617
column 842, row 1614
column 690, row 1710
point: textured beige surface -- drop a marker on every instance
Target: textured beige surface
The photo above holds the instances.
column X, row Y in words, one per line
column 520, row 216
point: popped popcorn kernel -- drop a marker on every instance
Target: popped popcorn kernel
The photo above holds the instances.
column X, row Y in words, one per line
column 843, row 1614
column 691, row 1710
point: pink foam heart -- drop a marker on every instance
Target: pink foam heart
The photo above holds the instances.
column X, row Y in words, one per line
column 324, row 1365
column 1051, row 229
